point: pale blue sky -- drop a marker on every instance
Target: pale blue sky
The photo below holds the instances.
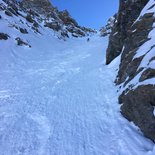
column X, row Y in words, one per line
column 90, row 13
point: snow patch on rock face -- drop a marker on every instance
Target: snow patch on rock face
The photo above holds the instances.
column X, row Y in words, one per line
column 154, row 112
column 147, row 9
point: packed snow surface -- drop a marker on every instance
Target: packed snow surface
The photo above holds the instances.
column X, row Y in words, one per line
column 58, row 98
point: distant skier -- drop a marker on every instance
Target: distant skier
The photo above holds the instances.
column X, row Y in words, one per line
column 88, row 39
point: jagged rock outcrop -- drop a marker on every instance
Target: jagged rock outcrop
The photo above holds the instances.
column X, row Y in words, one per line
column 43, row 7
column 107, row 30
column 133, row 37
column 57, row 20
column 40, row 15
column 66, row 18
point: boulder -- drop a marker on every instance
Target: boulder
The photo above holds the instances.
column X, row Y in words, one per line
column 20, row 42
column 29, row 18
column 138, row 107
column 23, row 30
column 7, row 12
column 4, row 36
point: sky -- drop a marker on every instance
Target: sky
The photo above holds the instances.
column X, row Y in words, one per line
column 90, row 13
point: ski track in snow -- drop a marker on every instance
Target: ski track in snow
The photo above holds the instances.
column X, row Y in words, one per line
column 62, row 101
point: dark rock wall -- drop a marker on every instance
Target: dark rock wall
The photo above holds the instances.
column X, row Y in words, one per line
column 128, row 12
column 138, row 106
column 129, row 34
column 137, row 36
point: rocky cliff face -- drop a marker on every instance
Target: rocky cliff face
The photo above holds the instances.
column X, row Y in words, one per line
column 128, row 12
column 43, row 7
column 40, row 15
column 133, row 36
column 55, row 19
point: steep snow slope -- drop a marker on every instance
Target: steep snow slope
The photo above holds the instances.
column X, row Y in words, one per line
column 58, row 98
